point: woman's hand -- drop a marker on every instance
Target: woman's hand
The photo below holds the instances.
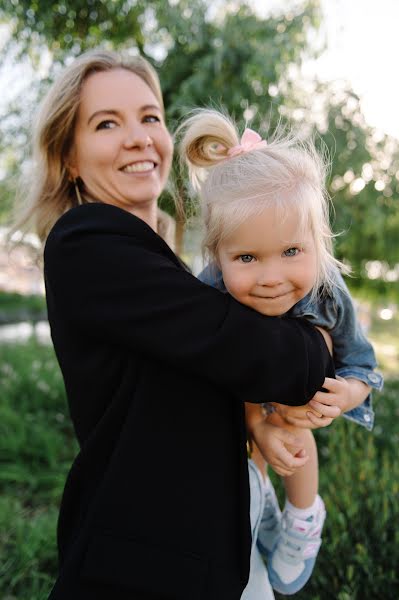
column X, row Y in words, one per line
column 319, row 412
column 272, row 442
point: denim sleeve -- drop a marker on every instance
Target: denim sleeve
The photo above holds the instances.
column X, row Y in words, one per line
column 212, row 275
column 353, row 354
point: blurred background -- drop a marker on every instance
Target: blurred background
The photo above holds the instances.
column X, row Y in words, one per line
column 328, row 68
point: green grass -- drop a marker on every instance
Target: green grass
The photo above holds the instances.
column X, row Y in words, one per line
column 359, row 475
column 36, row 448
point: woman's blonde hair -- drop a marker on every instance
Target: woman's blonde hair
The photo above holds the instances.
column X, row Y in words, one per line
column 50, row 191
column 287, row 174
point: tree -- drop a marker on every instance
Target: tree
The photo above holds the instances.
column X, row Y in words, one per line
column 233, row 57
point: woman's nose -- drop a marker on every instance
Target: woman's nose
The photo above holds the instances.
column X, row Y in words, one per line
column 137, row 136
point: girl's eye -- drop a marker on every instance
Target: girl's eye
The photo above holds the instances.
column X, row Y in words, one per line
column 291, row 252
column 246, row 258
column 152, row 119
column 106, row 125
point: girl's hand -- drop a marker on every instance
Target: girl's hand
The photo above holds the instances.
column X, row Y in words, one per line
column 302, row 416
column 272, row 441
column 307, row 417
column 337, row 400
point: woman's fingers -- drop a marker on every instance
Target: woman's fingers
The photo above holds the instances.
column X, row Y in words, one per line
column 284, row 471
column 285, row 463
column 319, row 421
column 289, row 438
column 290, row 464
column 301, row 422
column 331, row 411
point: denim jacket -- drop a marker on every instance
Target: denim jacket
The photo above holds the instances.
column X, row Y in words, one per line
column 353, row 354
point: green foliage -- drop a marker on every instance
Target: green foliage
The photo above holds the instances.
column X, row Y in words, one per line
column 36, row 449
column 70, row 26
column 359, row 477
column 369, row 218
column 226, row 56
column 16, row 307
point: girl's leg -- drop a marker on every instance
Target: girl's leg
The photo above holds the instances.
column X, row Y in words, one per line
column 291, row 560
column 301, row 487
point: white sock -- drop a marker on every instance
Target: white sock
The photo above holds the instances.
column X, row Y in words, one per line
column 303, row 513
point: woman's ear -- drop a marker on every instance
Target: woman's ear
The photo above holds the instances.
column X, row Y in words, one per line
column 71, row 167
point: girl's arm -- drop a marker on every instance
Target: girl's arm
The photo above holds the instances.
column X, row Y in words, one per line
column 113, row 279
column 353, row 355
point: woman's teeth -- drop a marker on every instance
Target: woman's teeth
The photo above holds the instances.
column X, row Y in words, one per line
column 138, row 167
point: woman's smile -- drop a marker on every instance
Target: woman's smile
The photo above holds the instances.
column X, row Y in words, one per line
column 144, row 167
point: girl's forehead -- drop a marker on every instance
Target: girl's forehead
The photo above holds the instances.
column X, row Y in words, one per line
column 268, row 229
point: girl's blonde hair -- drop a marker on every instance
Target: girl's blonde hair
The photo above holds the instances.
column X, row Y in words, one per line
column 287, row 174
column 49, row 191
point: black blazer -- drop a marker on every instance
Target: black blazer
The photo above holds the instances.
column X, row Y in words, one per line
column 156, row 367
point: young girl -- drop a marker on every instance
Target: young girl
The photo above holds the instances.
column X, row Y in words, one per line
column 268, row 237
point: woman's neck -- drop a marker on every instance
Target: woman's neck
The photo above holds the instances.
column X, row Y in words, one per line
column 148, row 214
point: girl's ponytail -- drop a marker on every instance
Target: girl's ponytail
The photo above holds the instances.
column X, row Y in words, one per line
column 206, row 138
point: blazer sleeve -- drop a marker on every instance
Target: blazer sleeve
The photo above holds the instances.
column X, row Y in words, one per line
column 120, row 290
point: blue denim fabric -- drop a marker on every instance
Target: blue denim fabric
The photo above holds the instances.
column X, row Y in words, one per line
column 353, row 354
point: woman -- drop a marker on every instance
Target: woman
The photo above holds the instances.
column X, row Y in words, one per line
column 156, row 502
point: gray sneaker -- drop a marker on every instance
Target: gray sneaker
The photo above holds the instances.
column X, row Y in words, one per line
column 293, row 558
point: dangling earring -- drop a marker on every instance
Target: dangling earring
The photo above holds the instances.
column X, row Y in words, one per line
column 77, row 191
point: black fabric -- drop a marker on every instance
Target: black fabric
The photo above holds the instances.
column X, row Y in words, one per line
column 156, row 366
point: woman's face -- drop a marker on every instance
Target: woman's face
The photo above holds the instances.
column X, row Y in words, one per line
column 122, row 150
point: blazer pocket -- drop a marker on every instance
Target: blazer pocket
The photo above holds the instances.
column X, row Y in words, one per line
column 163, row 572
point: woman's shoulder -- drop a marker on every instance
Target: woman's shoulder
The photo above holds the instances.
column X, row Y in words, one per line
column 101, row 230
column 98, row 223
column 98, row 217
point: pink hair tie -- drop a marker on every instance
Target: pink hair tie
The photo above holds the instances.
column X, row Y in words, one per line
column 250, row 140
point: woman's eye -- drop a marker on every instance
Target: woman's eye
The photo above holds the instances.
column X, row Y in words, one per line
column 106, row 125
column 291, row 252
column 152, row 119
column 246, row 258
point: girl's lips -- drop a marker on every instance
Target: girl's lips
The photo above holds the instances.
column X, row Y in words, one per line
column 271, row 297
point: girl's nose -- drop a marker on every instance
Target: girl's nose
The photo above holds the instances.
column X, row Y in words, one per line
column 269, row 276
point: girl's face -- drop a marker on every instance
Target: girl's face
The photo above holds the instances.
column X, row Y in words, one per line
column 122, row 150
column 267, row 264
